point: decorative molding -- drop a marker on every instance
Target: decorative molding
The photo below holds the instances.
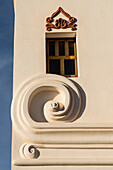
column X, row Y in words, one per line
column 66, row 162
column 67, row 146
column 60, row 23
column 29, row 151
column 45, row 133
column 49, row 90
column 88, row 154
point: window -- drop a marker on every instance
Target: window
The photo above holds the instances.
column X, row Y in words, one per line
column 62, row 57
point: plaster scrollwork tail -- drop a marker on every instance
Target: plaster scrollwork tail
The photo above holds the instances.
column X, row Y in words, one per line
column 29, row 151
column 61, row 23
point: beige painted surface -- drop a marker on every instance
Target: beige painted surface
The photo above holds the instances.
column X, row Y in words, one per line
column 93, row 129
column 67, row 168
column 95, row 54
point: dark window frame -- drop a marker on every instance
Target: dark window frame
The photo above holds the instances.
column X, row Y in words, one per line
column 62, row 58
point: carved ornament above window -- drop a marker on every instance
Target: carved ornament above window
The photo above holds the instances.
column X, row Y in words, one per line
column 60, row 23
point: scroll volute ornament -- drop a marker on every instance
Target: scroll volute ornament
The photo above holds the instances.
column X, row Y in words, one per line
column 60, row 23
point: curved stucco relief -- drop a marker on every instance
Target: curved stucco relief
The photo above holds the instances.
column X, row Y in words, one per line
column 29, row 151
column 45, row 98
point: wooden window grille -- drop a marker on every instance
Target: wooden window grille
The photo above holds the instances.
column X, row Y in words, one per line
column 62, row 57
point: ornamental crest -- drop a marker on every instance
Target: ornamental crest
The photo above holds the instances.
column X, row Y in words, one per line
column 61, row 23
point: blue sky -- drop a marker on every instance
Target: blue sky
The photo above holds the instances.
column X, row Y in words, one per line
column 6, row 66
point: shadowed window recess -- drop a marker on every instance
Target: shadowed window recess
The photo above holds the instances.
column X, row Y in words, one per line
column 62, row 57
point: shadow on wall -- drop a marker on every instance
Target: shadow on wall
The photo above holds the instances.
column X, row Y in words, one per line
column 83, row 99
column 37, row 102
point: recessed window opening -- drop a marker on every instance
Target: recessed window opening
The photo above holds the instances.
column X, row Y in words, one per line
column 62, row 56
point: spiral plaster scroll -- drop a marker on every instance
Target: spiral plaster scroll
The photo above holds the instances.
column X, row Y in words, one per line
column 29, row 151
column 45, row 98
column 61, row 109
